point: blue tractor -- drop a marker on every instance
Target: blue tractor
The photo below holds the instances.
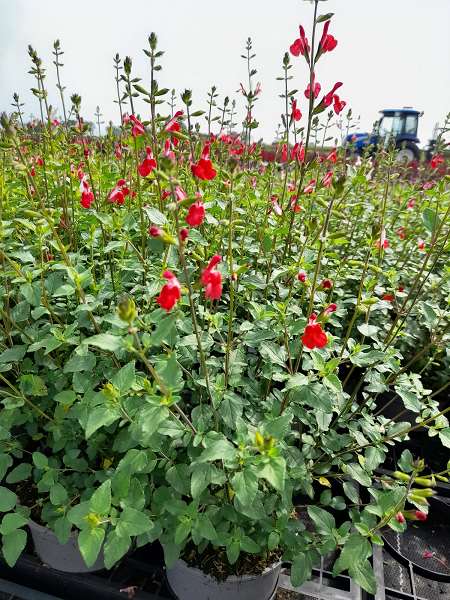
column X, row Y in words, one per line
column 396, row 126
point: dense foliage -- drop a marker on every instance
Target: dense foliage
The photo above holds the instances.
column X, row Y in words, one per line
column 198, row 346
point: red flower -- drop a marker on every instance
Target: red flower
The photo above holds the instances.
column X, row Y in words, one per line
column 172, row 124
column 211, row 279
column 275, row 206
column 411, row 203
column 300, row 45
column 428, row 554
column 284, row 153
column 326, row 284
column 314, row 336
column 294, row 204
column 298, row 152
column 437, row 160
column 296, row 115
column 338, row 105
column 170, row 292
column 148, row 164
column 39, row 162
column 204, row 169
column 383, row 242
column 420, row 515
column 327, row 179
column 388, row 297
column 309, row 189
column 33, row 172
column 328, row 98
column 327, row 42
column 180, row 193
column 155, row 231
column 196, row 214
column 118, row 151
column 302, row 276
column 119, row 193
column 332, row 157
column 400, row 518
column 168, row 152
column 315, row 86
column 138, row 128
column 184, row 234
column 421, row 244
column 87, row 196
column 331, row 308
column 401, row 233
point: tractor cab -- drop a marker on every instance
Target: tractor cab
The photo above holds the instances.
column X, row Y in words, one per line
column 396, row 126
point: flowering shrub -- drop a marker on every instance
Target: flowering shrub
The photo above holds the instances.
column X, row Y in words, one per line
column 198, row 346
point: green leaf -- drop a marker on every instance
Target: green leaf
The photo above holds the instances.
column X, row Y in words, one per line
column 163, row 330
column 58, row 494
column 322, row 18
column 362, row 573
column 430, row 219
column 100, row 416
column 322, row 519
column 301, row 569
column 115, row 547
column 90, row 541
column 105, row 341
column 356, row 550
column 205, row 528
column 32, row 385
column 182, row 531
column 14, row 354
column 5, row 462
column 62, row 528
column 40, row 460
column 245, row 485
column 66, row 397
column 273, row 540
column 351, row 491
column 125, row 377
column 274, row 471
column 233, row 549
column 13, row 545
column 368, row 330
column 231, row 408
column 155, row 216
column 323, row 419
column 11, row 522
column 20, row 473
column 357, row 473
column 100, row 501
column 133, row 522
column 273, row 353
column 373, row 458
column 218, row 449
column 80, row 362
column 444, row 436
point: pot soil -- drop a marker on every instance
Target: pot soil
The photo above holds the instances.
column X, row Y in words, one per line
column 62, row 557
column 190, row 583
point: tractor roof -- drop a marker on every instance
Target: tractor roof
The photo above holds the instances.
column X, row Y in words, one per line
column 406, row 110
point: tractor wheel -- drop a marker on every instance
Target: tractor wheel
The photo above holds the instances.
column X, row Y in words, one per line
column 407, row 152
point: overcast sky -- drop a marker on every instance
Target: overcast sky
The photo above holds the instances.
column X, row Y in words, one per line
column 390, row 53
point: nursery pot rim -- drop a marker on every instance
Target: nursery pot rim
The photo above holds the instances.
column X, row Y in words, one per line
column 231, row 578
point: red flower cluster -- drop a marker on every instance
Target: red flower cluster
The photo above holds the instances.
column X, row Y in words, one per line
column 119, row 193
column 148, row 164
column 204, row 169
column 436, row 160
column 173, row 126
column 170, row 292
column 314, row 336
column 137, row 129
column 296, row 114
column 316, row 87
column 211, row 279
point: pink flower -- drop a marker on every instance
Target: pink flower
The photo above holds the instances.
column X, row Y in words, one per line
column 331, row 308
column 168, row 152
column 211, row 279
column 295, row 206
column 326, row 284
column 298, row 152
column 420, row 515
column 275, row 206
column 302, row 277
column 180, row 193
column 428, row 554
column 155, row 231
column 309, row 189
column 400, row 518
column 327, row 179
column 421, row 244
column 401, row 233
column 332, row 157
column 411, row 203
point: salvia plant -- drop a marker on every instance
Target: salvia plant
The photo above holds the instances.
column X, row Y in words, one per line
column 200, row 334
